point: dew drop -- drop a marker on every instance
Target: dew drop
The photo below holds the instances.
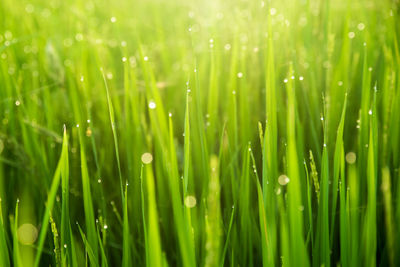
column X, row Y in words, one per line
column 278, row 191
column 152, row 104
column 351, row 157
column 147, row 158
column 190, row 201
column 29, row 8
column 283, row 179
column 27, row 234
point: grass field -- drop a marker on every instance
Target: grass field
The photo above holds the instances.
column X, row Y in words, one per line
column 200, row 133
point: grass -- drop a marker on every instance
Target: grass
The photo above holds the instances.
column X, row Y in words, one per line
column 199, row 133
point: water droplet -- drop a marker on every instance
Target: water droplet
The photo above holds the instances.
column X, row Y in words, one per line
column 285, row 80
column 170, row 114
column 227, row 47
column 88, row 132
column 29, row 8
column 351, row 157
column 147, row 158
column 99, row 181
column 190, row 201
column 370, row 69
column 340, row 83
column 240, row 75
column 283, row 179
column 123, row 59
column 17, row 103
column 361, row 26
column 79, row 37
column 301, row 78
column 27, row 234
column 370, row 112
column 105, row 226
column 272, row 11
column 113, row 19
column 65, row 245
column 278, row 191
column 351, row 35
column 152, row 104
column 322, row 118
column 145, row 58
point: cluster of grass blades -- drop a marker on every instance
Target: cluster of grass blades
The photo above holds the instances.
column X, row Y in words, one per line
column 199, row 133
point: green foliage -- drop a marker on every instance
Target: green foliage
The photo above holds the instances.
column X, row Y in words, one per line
column 199, row 133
